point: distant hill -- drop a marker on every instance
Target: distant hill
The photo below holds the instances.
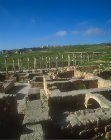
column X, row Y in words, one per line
column 64, row 47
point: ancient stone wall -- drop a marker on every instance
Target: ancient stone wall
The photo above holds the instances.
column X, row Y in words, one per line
column 8, row 116
column 101, row 81
column 68, row 74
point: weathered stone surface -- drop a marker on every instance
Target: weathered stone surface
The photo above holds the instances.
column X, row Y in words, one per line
column 75, row 100
column 76, row 122
column 35, row 113
column 36, row 84
column 34, row 94
column 62, row 97
column 7, row 85
column 108, row 135
column 8, row 105
column 8, row 116
column 32, row 132
column 73, row 84
column 108, row 128
column 37, row 79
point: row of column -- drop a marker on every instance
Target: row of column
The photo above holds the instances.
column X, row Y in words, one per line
column 47, row 64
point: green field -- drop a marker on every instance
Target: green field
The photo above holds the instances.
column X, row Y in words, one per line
column 104, row 59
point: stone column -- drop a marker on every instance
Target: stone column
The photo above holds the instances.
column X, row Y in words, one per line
column 88, row 57
column 14, row 65
column 35, row 63
column 46, row 62
column 28, row 61
column 52, row 62
column 83, row 58
column 43, row 62
column 62, row 61
column 81, row 61
column 56, row 62
column 92, row 56
column 40, row 62
column 69, row 60
column 49, row 62
column 6, row 66
column 74, row 70
column 21, row 66
column 74, row 60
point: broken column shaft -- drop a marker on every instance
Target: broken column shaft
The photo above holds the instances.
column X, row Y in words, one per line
column 68, row 60
column 62, row 61
column 56, row 62
column 46, row 62
column 28, row 60
column 35, row 63
column 6, row 66
column 14, row 65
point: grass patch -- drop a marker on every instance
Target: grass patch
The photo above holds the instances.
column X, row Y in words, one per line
column 80, row 87
column 44, row 101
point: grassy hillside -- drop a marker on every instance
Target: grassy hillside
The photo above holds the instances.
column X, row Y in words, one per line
column 58, row 51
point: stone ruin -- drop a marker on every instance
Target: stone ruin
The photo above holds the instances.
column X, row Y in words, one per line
column 60, row 103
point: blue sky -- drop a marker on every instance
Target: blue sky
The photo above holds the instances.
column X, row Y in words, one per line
column 31, row 23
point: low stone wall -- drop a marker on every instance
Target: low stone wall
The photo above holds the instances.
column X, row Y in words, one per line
column 87, row 68
column 8, row 116
column 1, row 87
column 45, row 78
column 72, row 84
column 22, row 76
column 37, row 79
column 8, row 85
column 67, row 74
column 79, row 74
column 105, row 74
column 34, row 94
column 31, row 75
column 101, row 81
column 84, row 124
column 36, row 84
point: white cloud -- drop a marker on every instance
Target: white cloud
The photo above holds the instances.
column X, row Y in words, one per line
column 93, row 31
column 33, row 21
column 61, row 33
